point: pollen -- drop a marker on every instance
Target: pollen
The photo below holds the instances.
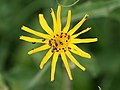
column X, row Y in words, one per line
column 60, row 40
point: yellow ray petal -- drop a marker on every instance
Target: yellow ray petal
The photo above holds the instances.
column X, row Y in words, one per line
column 74, row 51
column 35, row 32
column 75, row 28
column 44, row 47
column 53, row 65
column 45, row 59
column 89, row 40
column 44, row 24
column 58, row 19
column 74, row 60
column 66, row 28
column 54, row 19
column 76, row 35
column 66, row 65
column 79, row 51
column 29, row 39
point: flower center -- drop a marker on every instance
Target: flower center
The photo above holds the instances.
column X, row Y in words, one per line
column 60, row 42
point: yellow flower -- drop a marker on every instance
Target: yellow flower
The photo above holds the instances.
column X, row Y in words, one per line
column 59, row 42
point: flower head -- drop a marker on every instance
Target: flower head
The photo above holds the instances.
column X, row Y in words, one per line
column 59, row 42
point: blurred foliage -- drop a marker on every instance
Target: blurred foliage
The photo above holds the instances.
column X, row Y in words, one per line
column 19, row 71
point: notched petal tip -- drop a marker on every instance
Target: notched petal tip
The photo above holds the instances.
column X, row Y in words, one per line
column 89, row 28
column 86, row 16
column 51, row 10
column 21, row 37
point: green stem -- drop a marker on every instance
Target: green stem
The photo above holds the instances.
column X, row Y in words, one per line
column 68, row 5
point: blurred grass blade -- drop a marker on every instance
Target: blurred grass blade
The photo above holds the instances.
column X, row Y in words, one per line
column 2, row 84
column 37, row 78
column 99, row 88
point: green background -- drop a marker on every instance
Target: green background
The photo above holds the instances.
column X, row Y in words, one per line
column 20, row 71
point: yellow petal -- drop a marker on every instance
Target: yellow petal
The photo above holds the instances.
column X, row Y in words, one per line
column 89, row 40
column 79, row 51
column 75, row 28
column 58, row 19
column 53, row 65
column 35, row 32
column 41, row 48
column 74, row 51
column 76, row 35
column 54, row 19
column 44, row 24
column 45, row 59
column 66, row 65
column 29, row 39
column 66, row 28
column 74, row 60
